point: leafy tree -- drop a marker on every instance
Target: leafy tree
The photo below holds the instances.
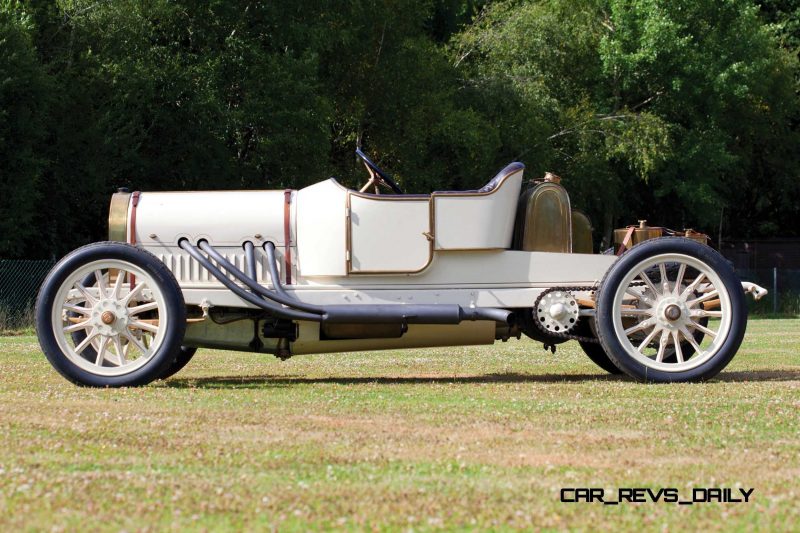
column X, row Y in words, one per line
column 656, row 108
column 24, row 91
column 685, row 111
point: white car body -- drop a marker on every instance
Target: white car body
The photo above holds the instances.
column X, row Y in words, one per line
column 330, row 269
column 352, row 247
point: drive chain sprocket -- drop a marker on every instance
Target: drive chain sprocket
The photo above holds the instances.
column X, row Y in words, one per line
column 559, row 335
column 567, row 336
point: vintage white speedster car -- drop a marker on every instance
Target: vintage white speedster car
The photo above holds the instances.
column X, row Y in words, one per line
column 329, row 269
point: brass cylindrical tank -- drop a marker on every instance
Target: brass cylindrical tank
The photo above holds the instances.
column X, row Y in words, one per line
column 544, row 219
column 581, row 233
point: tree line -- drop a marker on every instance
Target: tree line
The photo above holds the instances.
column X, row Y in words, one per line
column 683, row 112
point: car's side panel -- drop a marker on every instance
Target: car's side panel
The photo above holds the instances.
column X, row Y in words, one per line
column 321, row 229
column 486, row 268
column 469, row 278
column 471, row 221
column 389, row 234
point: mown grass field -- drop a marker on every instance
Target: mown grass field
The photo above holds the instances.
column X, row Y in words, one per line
column 476, row 437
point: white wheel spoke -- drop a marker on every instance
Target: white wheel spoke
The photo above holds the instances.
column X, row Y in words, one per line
column 78, row 326
column 679, row 279
column 699, row 313
column 86, row 342
column 118, row 284
column 692, row 286
column 678, row 350
column 641, row 326
column 90, row 299
column 710, row 295
column 643, row 275
column 662, row 269
column 120, row 350
column 78, row 309
column 647, row 340
column 701, row 327
column 690, row 338
column 635, row 312
column 134, row 292
column 133, row 340
column 100, row 279
column 101, row 352
column 144, row 326
column 142, row 308
column 662, row 346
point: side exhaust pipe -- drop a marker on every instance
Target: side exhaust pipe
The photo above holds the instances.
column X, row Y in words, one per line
column 283, row 305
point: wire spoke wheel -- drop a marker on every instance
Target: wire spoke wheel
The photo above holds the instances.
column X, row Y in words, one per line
column 119, row 317
column 110, row 314
column 661, row 306
column 671, row 309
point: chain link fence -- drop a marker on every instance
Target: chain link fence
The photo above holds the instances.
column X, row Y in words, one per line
column 20, row 281
column 19, row 284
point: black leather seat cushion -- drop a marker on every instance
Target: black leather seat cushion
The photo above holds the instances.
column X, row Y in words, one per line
column 493, row 183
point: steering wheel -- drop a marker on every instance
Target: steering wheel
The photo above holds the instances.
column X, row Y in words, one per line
column 377, row 176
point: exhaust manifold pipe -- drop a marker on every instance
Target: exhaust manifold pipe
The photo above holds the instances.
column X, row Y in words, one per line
column 281, row 304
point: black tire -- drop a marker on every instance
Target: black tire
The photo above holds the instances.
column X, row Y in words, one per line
column 594, row 350
column 180, row 359
column 174, row 305
column 598, row 355
column 670, row 245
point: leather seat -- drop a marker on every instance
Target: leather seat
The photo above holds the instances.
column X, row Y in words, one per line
column 493, row 183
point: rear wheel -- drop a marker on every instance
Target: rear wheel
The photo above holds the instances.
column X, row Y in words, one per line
column 598, row 355
column 645, row 321
column 180, row 359
column 120, row 330
column 594, row 350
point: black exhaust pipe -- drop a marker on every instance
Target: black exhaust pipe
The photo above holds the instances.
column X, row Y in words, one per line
column 334, row 314
column 276, row 310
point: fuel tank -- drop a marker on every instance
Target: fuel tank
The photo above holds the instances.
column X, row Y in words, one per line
column 544, row 218
column 224, row 218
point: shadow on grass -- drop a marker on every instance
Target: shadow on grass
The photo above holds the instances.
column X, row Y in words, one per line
column 222, row 382
column 255, row 382
column 759, row 375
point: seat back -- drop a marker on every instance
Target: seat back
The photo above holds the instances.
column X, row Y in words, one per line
column 478, row 220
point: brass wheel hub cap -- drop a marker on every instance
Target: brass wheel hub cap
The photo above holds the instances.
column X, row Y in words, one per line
column 107, row 317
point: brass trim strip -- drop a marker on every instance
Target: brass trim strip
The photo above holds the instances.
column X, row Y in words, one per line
column 287, row 234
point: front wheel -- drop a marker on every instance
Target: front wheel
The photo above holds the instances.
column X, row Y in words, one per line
column 110, row 315
column 671, row 309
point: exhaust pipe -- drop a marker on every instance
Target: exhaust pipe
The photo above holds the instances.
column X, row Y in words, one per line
column 274, row 309
column 274, row 301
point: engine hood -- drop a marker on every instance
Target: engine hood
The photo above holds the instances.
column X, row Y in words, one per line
column 224, row 218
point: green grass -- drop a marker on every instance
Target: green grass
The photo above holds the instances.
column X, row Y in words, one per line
column 476, row 437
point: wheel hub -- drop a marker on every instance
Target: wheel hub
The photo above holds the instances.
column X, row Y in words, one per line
column 672, row 312
column 557, row 311
column 110, row 317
